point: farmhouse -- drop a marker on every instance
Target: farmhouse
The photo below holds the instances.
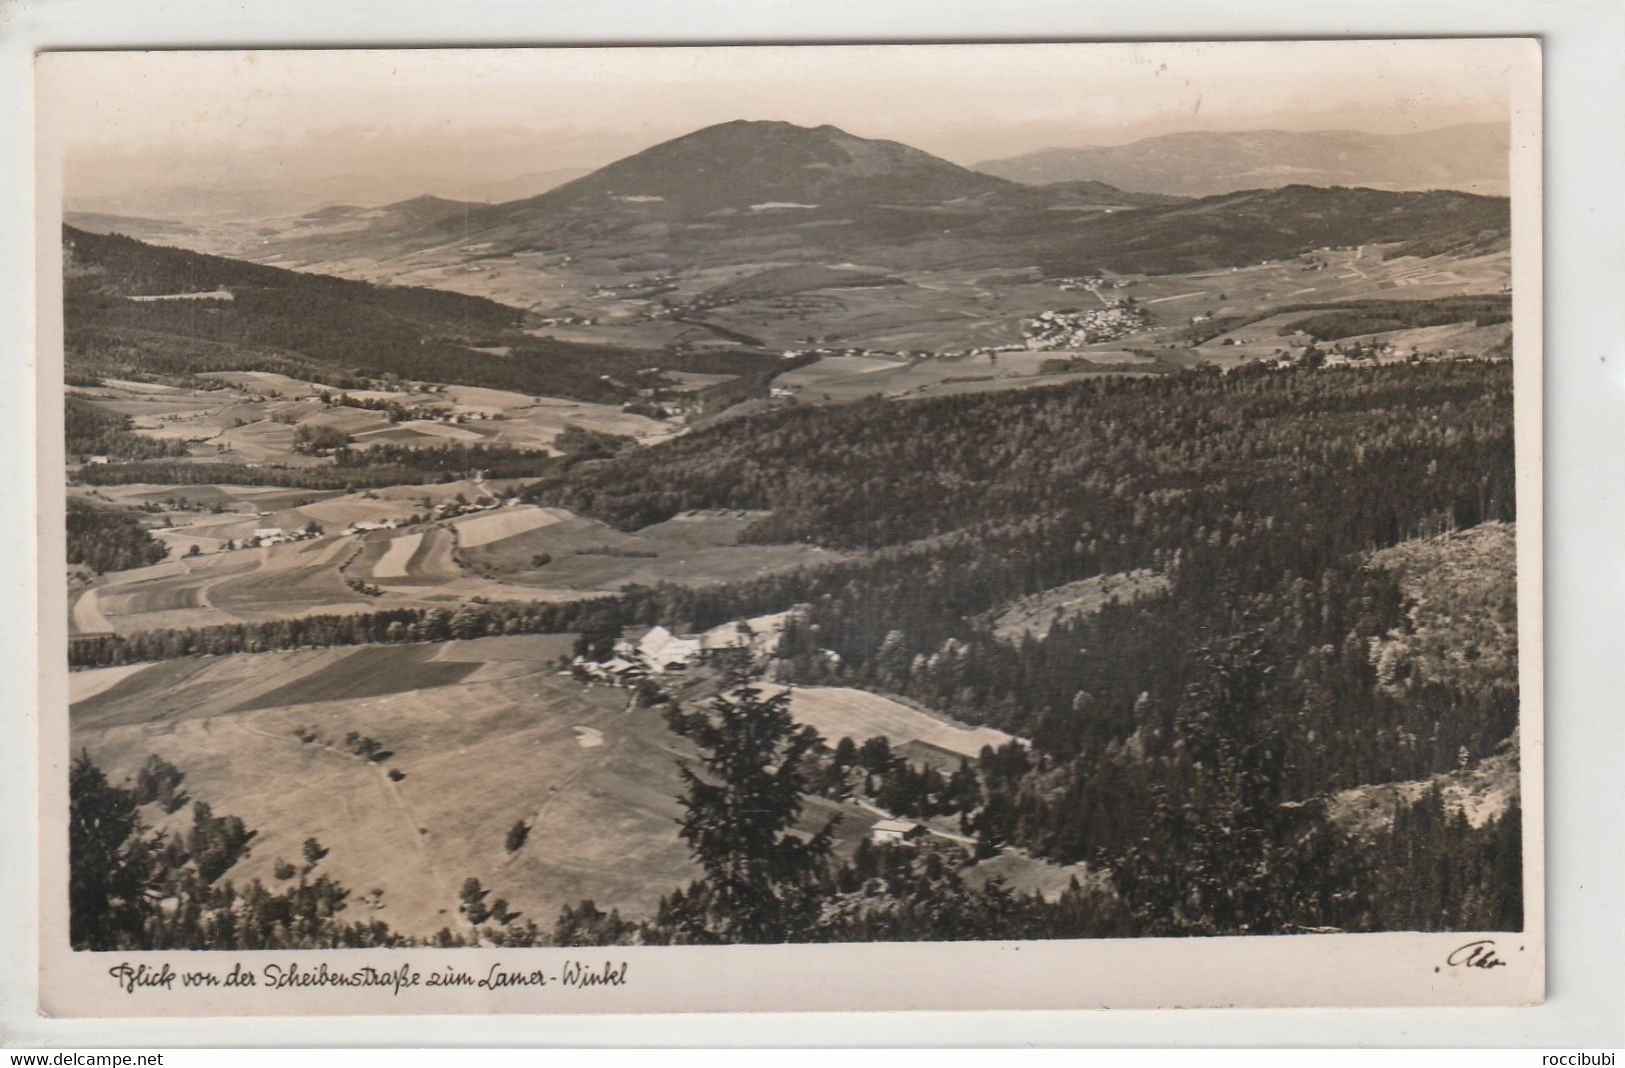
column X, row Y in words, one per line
column 664, row 651
column 363, row 525
column 661, row 650
column 902, row 832
column 621, row 668
column 615, row 669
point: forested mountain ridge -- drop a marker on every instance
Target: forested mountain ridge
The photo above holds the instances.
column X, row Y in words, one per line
column 821, row 195
column 1234, row 229
column 875, row 474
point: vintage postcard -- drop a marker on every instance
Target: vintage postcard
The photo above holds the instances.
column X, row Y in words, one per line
column 1042, row 526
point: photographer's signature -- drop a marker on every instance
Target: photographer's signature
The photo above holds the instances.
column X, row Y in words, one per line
column 1479, row 954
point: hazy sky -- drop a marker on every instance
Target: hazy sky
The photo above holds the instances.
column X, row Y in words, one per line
column 373, row 126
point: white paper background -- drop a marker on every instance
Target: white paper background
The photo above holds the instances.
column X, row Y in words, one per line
column 1585, row 372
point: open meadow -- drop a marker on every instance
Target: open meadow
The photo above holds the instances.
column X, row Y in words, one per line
column 474, row 736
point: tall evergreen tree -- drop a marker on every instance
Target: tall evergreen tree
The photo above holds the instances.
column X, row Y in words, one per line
column 762, row 879
column 111, row 861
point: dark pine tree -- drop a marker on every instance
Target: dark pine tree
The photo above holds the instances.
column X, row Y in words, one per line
column 762, row 879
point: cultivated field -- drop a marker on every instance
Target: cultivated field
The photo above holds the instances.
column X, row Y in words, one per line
column 480, row 530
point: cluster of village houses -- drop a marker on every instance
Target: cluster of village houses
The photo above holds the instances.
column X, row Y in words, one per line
column 1053, row 330
column 361, row 526
column 1345, row 354
column 445, row 510
column 277, row 536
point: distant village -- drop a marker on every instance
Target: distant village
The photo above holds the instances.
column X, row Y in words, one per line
column 1070, row 329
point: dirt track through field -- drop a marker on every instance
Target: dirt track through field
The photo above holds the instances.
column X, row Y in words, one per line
column 87, row 615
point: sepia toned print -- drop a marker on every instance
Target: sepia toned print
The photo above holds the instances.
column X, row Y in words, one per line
column 549, row 535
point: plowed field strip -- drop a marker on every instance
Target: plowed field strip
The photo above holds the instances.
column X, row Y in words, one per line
column 394, row 562
column 367, row 672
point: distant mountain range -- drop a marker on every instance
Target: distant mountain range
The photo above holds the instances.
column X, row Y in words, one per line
column 258, row 195
column 1470, row 158
column 743, row 192
column 710, row 195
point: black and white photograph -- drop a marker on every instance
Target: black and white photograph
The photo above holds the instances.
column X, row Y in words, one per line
column 586, row 505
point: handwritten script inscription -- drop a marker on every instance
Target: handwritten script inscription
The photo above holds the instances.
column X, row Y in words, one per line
column 279, row 976
column 1479, row 954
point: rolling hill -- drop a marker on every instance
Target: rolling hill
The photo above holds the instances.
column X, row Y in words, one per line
column 133, row 310
column 1241, row 228
column 1470, row 158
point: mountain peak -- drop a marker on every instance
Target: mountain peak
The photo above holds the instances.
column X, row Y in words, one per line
column 755, row 164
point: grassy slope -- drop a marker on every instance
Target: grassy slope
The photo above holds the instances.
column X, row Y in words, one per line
column 498, row 746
